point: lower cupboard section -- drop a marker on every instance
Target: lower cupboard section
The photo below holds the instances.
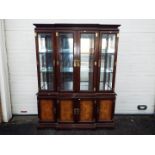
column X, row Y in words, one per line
column 76, row 113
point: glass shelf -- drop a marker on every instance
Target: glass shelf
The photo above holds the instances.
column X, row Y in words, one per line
column 66, row 51
column 108, row 70
column 46, row 52
column 46, row 69
column 109, row 53
column 67, row 69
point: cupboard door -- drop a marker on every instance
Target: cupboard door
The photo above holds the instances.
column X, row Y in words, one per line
column 66, row 58
column 86, row 111
column 47, row 110
column 87, row 60
column 66, row 110
column 107, row 61
column 105, row 110
column 46, row 61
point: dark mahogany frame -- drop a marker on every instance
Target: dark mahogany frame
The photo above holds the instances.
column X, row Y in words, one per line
column 75, row 95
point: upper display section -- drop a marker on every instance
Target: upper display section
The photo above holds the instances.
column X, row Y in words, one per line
column 76, row 57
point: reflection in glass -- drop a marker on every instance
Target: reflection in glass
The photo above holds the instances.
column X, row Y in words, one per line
column 87, row 59
column 66, row 61
column 45, row 61
column 107, row 61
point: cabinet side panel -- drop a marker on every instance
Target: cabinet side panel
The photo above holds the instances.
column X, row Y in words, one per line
column 86, row 111
column 46, row 110
column 105, row 110
column 66, row 111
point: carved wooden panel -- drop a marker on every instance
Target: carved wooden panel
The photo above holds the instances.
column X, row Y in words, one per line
column 46, row 110
column 86, row 111
column 105, row 110
column 66, row 111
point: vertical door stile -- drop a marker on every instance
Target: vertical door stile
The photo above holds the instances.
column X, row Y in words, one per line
column 77, row 83
column 54, row 59
column 37, row 59
column 99, row 60
column 96, row 59
column 74, row 62
column 115, row 60
column 57, row 48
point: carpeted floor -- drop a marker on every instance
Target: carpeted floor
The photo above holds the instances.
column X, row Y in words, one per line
column 125, row 125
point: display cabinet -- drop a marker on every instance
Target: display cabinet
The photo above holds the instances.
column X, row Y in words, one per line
column 76, row 66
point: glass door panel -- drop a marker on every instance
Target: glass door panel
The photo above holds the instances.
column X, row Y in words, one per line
column 107, row 61
column 66, row 61
column 87, row 43
column 46, row 57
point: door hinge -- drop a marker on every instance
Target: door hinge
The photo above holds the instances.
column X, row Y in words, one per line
column 95, row 63
column 94, row 89
column 57, row 34
column 96, row 34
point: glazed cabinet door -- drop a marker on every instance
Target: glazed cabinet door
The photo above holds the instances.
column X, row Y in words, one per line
column 87, row 61
column 66, row 111
column 86, row 110
column 107, row 61
column 105, row 110
column 65, row 61
column 47, row 110
column 46, row 61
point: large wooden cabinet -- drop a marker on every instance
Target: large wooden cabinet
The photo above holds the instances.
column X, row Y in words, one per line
column 76, row 74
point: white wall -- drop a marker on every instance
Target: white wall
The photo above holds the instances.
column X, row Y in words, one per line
column 135, row 81
column 5, row 101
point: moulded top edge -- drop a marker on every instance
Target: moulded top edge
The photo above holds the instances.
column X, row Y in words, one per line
column 76, row 25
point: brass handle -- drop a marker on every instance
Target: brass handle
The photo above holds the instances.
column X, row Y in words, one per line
column 76, row 63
